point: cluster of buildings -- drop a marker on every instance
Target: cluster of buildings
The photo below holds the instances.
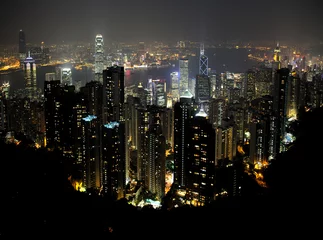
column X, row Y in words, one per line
column 120, row 139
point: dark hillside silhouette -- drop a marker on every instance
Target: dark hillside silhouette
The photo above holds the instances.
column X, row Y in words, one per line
column 38, row 201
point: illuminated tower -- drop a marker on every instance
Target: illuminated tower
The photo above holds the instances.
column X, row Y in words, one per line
column 30, row 78
column 277, row 58
column 174, row 86
column 66, row 76
column 183, row 75
column 203, row 64
column 99, row 58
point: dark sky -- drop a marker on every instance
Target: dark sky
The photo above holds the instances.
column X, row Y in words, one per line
column 145, row 20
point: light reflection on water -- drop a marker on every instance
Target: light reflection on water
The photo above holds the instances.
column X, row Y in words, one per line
column 220, row 60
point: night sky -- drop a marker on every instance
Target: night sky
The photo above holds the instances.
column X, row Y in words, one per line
column 166, row 20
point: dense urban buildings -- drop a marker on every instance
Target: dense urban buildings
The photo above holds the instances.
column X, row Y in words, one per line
column 156, row 125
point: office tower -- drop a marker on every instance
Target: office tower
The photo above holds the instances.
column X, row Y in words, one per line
column 201, row 161
column 22, row 47
column 160, row 93
column 50, row 76
column 203, row 63
column 174, row 86
column 202, row 88
column 99, row 58
column 113, row 111
column 30, row 78
column 150, row 91
column 183, row 76
column 92, row 168
column 66, row 76
column 183, row 112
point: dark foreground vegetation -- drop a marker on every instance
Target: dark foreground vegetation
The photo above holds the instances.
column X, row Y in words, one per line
column 38, row 201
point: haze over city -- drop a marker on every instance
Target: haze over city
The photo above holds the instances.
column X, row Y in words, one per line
column 142, row 20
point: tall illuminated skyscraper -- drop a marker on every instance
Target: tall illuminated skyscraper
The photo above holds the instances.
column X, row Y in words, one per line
column 183, row 75
column 203, row 64
column 30, row 77
column 99, row 58
column 174, row 86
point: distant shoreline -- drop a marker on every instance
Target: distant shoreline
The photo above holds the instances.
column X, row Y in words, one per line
column 3, row 72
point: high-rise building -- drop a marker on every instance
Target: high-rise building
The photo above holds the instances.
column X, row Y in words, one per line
column 200, row 161
column 175, row 86
column 50, row 76
column 92, row 167
column 4, row 89
column 183, row 75
column 99, row 58
column 156, row 149
column 203, row 63
column 52, row 91
column 183, row 112
column 30, row 78
column 202, row 88
column 113, row 112
column 113, row 93
column 93, row 94
column 66, row 76
column 279, row 106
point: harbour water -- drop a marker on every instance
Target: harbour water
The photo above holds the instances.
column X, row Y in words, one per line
column 220, row 60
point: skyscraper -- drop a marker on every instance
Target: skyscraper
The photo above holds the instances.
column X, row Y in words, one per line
column 183, row 75
column 183, row 113
column 66, row 76
column 203, row 64
column 29, row 66
column 113, row 102
column 99, row 58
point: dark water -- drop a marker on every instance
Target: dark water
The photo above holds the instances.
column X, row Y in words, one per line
column 220, row 60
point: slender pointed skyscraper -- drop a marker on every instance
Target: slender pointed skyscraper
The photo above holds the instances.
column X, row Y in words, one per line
column 203, row 62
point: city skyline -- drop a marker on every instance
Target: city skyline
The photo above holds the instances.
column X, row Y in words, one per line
column 164, row 21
